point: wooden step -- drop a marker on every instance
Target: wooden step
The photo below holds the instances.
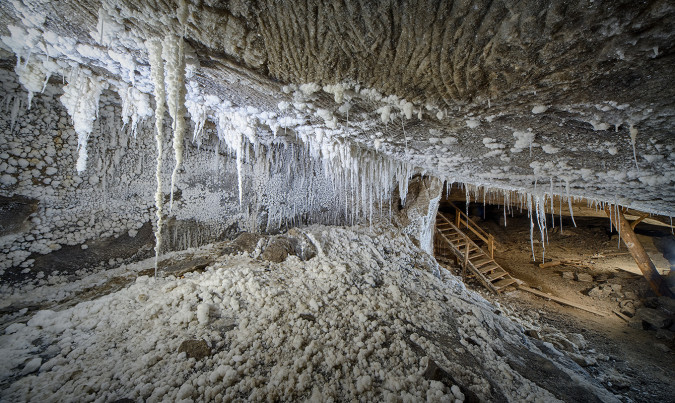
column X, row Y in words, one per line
column 452, row 232
column 484, row 271
column 478, row 264
column 453, row 240
column 462, row 247
column 501, row 284
column 497, row 275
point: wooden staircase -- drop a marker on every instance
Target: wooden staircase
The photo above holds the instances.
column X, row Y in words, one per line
column 470, row 256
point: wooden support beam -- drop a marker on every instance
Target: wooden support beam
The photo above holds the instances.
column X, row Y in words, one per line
column 560, row 300
column 622, row 316
column 580, row 207
column 636, row 222
column 638, row 252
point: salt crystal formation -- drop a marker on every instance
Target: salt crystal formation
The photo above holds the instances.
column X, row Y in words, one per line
column 157, row 71
column 80, row 97
column 370, row 317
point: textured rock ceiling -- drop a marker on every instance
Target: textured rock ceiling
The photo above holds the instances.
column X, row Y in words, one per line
column 528, row 95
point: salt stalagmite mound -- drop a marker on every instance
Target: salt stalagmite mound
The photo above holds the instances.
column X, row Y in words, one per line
column 366, row 316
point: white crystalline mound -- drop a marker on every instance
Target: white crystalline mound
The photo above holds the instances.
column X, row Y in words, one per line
column 523, row 140
column 361, row 320
column 537, row 109
column 472, row 123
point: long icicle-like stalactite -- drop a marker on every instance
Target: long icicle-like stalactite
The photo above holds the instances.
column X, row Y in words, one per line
column 157, row 71
column 173, row 54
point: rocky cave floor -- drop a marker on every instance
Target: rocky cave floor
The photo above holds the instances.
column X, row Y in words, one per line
column 632, row 357
column 269, row 317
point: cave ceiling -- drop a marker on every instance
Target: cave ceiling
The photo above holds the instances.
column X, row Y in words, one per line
column 573, row 97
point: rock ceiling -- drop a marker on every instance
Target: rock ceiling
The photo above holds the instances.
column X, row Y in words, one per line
column 573, row 97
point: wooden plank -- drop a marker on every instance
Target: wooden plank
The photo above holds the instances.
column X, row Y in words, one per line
column 497, row 275
column 483, row 280
column 560, row 300
column 443, row 217
column 488, row 268
column 466, row 254
column 622, row 316
column 504, row 283
column 636, row 222
column 478, row 264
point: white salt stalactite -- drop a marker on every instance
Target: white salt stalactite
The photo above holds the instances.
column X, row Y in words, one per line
column 529, row 213
column 16, row 105
column 235, row 141
column 540, row 212
column 552, row 205
column 31, row 75
column 135, row 105
column 505, row 201
column 157, row 72
column 80, row 97
column 173, row 55
column 633, row 136
column 569, row 202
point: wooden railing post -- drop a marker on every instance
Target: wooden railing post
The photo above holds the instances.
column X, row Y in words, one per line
column 491, row 246
column 457, row 217
column 466, row 257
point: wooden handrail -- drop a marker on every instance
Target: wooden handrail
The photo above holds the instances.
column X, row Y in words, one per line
column 464, row 260
column 466, row 256
column 473, row 227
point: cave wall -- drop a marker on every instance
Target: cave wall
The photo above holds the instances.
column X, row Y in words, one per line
column 417, row 216
column 53, row 219
column 112, row 199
